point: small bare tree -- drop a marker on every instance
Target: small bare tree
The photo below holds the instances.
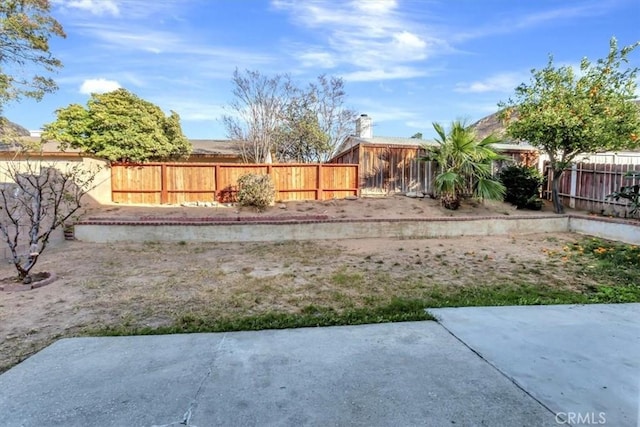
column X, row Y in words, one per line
column 257, row 112
column 273, row 116
column 36, row 200
column 335, row 120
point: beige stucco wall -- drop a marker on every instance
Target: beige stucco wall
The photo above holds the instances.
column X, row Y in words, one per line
column 101, row 193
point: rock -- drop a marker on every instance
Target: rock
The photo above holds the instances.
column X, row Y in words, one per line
column 412, row 194
column 282, row 206
column 351, row 198
column 420, row 195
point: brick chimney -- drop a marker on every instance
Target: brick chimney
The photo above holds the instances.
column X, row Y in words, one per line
column 364, row 126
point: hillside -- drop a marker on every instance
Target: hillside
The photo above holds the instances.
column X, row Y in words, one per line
column 7, row 127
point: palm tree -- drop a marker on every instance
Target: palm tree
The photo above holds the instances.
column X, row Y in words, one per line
column 465, row 165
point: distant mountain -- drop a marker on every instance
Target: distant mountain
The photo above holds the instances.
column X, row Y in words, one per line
column 13, row 129
column 488, row 125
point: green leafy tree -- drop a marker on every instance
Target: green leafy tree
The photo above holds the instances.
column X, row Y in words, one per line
column 464, row 165
column 25, row 29
column 300, row 137
column 565, row 114
column 119, row 126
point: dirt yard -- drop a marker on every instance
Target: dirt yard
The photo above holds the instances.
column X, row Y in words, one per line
column 371, row 208
column 154, row 284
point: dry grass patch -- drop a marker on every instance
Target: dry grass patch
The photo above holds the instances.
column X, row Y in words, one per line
column 169, row 287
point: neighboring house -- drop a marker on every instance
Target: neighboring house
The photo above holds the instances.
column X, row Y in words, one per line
column 392, row 164
column 204, row 150
column 215, row 151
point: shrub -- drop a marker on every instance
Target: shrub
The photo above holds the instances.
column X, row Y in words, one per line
column 630, row 193
column 523, row 186
column 256, row 190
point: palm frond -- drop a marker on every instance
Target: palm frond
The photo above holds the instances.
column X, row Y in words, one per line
column 489, row 189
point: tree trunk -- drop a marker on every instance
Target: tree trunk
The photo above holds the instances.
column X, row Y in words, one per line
column 555, row 196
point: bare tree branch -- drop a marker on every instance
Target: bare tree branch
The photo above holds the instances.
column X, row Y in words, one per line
column 36, row 201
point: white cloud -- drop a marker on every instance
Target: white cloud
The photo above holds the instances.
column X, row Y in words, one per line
column 127, row 39
column 390, row 73
column 378, row 6
column 373, row 37
column 407, row 40
column 504, row 83
column 95, row 7
column 100, row 85
column 385, row 112
column 191, row 109
column 513, row 24
column 317, row 59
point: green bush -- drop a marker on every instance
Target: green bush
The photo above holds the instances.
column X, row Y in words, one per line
column 256, row 190
column 523, row 186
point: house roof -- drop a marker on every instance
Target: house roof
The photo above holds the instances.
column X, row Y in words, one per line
column 352, row 141
column 389, row 141
column 204, row 147
column 218, row 147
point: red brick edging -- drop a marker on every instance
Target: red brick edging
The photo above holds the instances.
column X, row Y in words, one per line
column 293, row 220
column 34, row 285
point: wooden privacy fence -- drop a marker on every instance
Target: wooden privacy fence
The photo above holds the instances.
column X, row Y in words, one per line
column 388, row 169
column 175, row 183
column 586, row 185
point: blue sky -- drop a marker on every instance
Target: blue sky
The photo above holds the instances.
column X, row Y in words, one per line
column 405, row 63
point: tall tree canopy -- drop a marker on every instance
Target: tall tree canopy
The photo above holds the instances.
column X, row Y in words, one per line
column 119, row 126
column 565, row 114
column 258, row 107
column 26, row 27
column 271, row 115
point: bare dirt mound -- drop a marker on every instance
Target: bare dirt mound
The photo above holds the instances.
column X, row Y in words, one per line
column 392, row 207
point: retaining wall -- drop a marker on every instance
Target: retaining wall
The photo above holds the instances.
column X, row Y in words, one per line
column 255, row 231
column 606, row 228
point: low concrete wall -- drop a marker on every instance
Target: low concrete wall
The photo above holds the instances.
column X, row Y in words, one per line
column 101, row 232
column 606, row 228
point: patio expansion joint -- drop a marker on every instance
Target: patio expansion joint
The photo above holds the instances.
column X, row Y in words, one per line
column 512, row 380
column 193, row 404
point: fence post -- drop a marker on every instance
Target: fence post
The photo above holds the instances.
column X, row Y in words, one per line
column 164, row 195
column 574, row 185
column 216, row 182
column 319, row 188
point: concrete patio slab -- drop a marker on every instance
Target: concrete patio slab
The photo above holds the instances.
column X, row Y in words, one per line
column 400, row 374
column 580, row 361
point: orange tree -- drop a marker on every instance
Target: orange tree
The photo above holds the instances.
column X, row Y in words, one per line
column 565, row 114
